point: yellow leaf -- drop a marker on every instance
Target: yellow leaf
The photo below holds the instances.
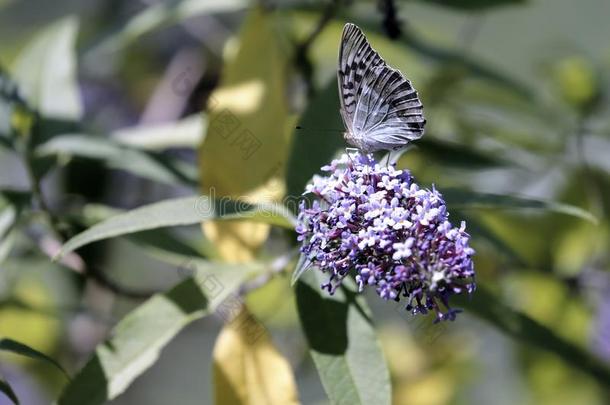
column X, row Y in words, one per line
column 247, row 367
column 243, row 153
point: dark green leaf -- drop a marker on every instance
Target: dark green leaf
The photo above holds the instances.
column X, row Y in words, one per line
column 479, row 230
column 452, row 154
column 466, row 199
column 343, row 343
column 17, row 198
column 138, row 339
column 316, row 140
column 13, row 346
column 488, row 307
column 174, row 212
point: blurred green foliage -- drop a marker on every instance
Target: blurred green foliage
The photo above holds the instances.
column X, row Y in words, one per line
column 115, row 116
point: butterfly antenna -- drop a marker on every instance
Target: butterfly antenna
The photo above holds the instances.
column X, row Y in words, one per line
column 300, row 128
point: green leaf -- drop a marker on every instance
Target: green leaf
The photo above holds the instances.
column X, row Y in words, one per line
column 46, row 71
column 160, row 243
column 138, row 339
column 466, row 199
column 268, row 213
column 479, row 230
column 174, row 212
column 19, row 199
column 485, row 305
column 6, row 389
column 453, row 154
column 186, row 133
column 146, row 164
column 8, row 215
column 474, row 4
column 13, row 346
column 302, row 265
column 163, row 14
column 314, row 142
column 343, row 343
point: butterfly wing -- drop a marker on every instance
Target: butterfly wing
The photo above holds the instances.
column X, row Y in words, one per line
column 356, row 60
column 380, row 108
column 388, row 112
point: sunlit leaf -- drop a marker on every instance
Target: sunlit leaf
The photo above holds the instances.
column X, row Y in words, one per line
column 150, row 165
column 185, row 133
column 173, row 212
column 8, row 215
column 138, row 339
column 248, row 369
column 465, row 199
column 485, row 305
column 35, row 283
column 46, row 71
column 10, row 345
column 343, row 343
column 243, row 153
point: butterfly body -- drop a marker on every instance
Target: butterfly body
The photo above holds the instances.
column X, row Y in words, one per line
column 379, row 107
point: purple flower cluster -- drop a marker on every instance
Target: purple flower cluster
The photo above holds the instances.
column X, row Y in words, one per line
column 376, row 221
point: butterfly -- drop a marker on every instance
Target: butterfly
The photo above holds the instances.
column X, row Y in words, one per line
column 379, row 106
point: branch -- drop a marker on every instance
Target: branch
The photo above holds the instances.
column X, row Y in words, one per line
column 276, row 267
column 301, row 59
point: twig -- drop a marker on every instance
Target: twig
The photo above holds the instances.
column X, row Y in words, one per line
column 64, row 235
column 391, row 23
column 301, row 59
column 104, row 281
column 276, row 267
column 590, row 183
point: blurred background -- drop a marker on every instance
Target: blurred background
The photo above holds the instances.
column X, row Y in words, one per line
column 135, row 102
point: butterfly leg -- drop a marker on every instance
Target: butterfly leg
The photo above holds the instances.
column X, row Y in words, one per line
column 387, row 160
column 350, row 151
column 395, row 154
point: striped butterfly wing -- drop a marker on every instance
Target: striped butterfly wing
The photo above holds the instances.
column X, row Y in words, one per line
column 389, row 112
column 381, row 109
column 356, row 60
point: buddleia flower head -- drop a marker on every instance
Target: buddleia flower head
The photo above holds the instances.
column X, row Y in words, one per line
column 374, row 222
